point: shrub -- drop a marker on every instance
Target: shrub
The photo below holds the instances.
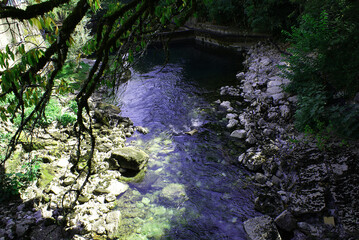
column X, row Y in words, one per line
column 270, row 15
column 324, row 70
column 66, row 119
column 12, row 183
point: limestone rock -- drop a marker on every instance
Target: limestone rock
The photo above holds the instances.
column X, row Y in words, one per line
column 129, row 158
column 310, row 229
column 339, row 169
column 265, row 61
column 240, row 76
column 284, row 111
column 227, row 106
column 142, row 130
column 261, row 228
column 252, row 160
column 286, row 221
column 174, row 193
column 116, row 187
column 251, row 139
column 260, row 178
column 314, row 173
column 241, row 134
column 308, row 201
column 113, row 220
column 232, row 123
column 231, row 116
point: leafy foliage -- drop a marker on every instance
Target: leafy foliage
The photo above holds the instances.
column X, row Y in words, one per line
column 324, row 68
column 53, row 112
column 225, row 12
column 255, row 15
column 12, row 183
column 270, row 15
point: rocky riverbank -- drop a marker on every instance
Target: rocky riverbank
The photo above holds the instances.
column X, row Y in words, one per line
column 307, row 186
column 45, row 209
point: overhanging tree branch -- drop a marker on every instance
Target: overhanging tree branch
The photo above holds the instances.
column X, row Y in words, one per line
column 30, row 11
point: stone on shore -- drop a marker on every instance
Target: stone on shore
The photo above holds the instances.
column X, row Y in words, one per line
column 285, row 221
column 261, row 228
column 241, row 134
column 128, row 158
column 252, row 160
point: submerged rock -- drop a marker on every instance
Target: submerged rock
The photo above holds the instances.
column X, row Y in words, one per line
column 174, row 193
column 192, row 132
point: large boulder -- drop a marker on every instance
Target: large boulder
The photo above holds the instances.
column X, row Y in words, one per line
column 261, row 228
column 128, row 158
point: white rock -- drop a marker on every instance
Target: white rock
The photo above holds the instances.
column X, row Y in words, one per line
column 275, row 83
column 274, row 90
column 247, row 87
column 265, row 61
column 241, row 157
column 293, row 99
column 278, row 96
column 339, row 169
column 62, row 162
column 55, row 189
column 116, row 188
column 232, row 123
column 110, row 197
column 227, row 105
column 284, row 111
column 251, row 139
column 231, row 116
column 113, row 220
column 267, row 132
column 241, row 134
column 240, row 75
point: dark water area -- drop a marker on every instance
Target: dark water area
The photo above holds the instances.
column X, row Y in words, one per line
column 192, row 189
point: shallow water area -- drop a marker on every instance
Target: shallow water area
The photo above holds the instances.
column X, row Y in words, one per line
column 192, row 189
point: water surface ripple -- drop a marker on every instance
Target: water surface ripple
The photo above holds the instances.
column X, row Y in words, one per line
column 192, row 189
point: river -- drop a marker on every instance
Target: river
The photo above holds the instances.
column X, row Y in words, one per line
column 192, row 189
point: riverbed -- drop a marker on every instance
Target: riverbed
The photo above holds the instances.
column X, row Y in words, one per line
column 193, row 188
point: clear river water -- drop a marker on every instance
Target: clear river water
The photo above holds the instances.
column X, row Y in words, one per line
column 192, row 188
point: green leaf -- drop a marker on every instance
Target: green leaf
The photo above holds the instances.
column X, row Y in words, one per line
column 8, row 49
